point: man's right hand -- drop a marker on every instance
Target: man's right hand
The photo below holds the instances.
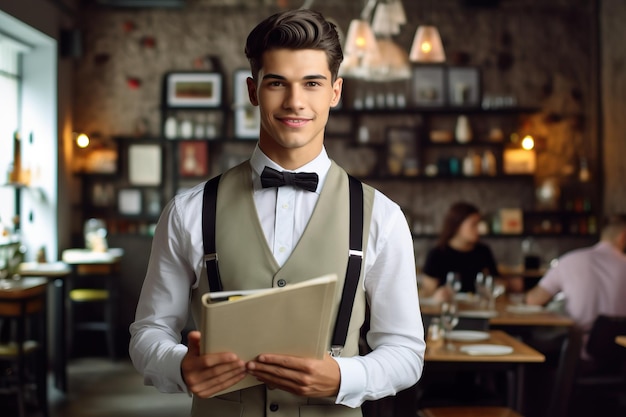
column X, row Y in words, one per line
column 206, row 375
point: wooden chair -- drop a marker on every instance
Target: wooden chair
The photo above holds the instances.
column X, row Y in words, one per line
column 576, row 377
column 23, row 350
column 461, row 411
column 93, row 287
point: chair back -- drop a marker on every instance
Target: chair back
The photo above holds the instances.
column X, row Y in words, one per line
column 601, row 344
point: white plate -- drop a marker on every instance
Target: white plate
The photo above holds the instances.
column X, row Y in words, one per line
column 524, row 309
column 467, row 335
column 464, row 296
column 478, row 314
column 429, row 301
column 486, row 349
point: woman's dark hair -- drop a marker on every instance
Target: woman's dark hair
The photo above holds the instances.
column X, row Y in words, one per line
column 294, row 29
column 457, row 213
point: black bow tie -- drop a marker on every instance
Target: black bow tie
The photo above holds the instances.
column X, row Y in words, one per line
column 305, row 180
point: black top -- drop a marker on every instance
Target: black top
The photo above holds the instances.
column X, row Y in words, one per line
column 440, row 261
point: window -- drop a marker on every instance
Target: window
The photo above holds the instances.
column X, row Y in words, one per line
column 10, row 83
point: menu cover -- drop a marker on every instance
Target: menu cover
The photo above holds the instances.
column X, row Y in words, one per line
column 293, row 320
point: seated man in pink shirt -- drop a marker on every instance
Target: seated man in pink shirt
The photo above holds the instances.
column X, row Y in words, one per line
column 592, row 279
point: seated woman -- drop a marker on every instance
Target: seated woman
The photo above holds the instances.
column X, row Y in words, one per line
column 459, row 250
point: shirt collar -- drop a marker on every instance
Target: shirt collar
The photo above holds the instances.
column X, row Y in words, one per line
column 320, row 165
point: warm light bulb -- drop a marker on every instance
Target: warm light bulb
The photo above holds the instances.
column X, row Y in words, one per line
column 82, row 140
column 528, row 142
column 360, row 42
column 426, row 47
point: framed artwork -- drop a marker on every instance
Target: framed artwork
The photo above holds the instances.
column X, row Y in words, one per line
column 152, row 200
column 129, row 201
column 193, row 89
column 193, row 158
column 464, row 86
column 402, row 155
column 145, row 164
column 247, row 117
column 428, row 85
column 102, row 194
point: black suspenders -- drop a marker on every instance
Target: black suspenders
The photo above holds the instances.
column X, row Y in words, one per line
column 355, row 256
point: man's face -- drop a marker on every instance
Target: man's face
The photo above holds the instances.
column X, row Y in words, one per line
column 294, row 93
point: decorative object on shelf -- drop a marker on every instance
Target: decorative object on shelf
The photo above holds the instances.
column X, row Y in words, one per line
column 102, row 194
column 584, row 175
column 186, row 129
column 247, row 118
column 129, row 201
column 428, row 84
column 548, row 194
column 193, row 89
column 95, row 234
column 488, row 165
column 153, row 202
column 145, row 164
column 463, row 86
column 402, row 151
column 441, row 136
column 511, row 221
column 463, row 130
column 193, row 159
column 519, row 161
column 170, row 128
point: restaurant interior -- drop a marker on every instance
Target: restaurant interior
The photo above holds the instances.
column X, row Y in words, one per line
column 514, row 106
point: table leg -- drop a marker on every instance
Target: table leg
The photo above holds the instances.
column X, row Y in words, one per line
column 519, row 396
column 60, row 349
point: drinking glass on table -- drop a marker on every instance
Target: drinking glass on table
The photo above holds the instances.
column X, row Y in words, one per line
column 449, row 320
column 496, row 291
column 453, row 281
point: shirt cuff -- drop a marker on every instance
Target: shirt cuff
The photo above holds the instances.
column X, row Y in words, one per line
column 172, row 367
column 353, row 382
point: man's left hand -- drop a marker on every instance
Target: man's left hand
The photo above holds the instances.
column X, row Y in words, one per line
column 301, row 376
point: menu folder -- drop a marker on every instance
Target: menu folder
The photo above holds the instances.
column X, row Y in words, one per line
column 293, row 320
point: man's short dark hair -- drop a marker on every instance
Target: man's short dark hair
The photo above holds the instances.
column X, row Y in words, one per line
column 294, row 29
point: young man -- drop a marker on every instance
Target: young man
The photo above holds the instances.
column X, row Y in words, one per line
column 271, row 236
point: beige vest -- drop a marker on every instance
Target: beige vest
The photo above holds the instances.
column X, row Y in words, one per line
column 246, row 262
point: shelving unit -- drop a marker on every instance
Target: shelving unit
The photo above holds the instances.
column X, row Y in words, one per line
column 218, row 154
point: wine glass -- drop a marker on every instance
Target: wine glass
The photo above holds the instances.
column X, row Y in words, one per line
column 453, row 281
column 449, row 320
column 496, row 291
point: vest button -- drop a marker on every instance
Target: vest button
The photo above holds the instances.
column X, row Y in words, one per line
column 281, row 283
column 273, row 407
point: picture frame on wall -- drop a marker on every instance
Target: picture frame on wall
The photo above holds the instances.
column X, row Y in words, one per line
column 247, row 118
column 428, row 85
column 402, row 151
column 102, row 194
column 463, row 86
column 193, row 158
column 145, row 164
column 129, row 201
column 193, row 89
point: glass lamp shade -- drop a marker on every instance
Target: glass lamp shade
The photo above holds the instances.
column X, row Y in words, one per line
column 427, row 46
column 360, row 40
column 360, row 50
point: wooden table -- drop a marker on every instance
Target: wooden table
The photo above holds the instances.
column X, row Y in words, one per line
column 502, row 317
column 56, row 273
column 438, row 358
column 621, row 340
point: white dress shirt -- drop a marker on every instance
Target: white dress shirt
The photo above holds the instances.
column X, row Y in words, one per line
column 396, row 333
